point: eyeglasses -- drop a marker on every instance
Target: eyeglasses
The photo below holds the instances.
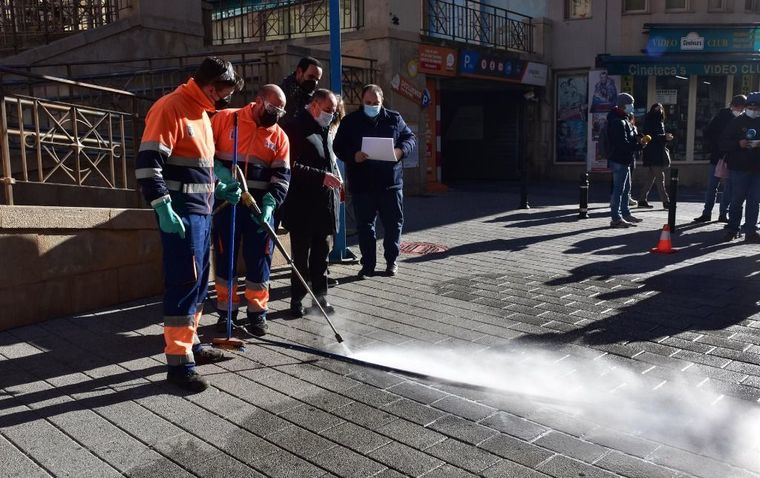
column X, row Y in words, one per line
column 271, row 109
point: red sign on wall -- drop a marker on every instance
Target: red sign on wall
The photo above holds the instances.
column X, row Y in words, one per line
column 436, row 60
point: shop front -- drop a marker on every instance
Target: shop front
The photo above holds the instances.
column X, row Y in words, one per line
column 481, row 100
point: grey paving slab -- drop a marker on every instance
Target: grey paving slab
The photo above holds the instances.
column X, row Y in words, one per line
column 16, row 464
column 516, row 450
column 631, row 467
column 300, row 441
column 346, row 463
column 406, row 459
column 463, row 429
column 411, row 434
column 571, row 446
column 561, row 467
column 510, row 469
column 463, row 455
column 448, row 471
column 355, row 437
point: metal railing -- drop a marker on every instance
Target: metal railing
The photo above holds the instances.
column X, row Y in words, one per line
column 478, row 24
column 356, row 72
column 27, row 23
column 54, row 142
column 244, row 21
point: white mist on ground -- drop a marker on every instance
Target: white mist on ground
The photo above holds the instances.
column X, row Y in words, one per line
column 678, row 410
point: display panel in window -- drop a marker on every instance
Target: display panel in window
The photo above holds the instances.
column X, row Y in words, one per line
column 576, row 9
column 673, row 93
column 632, row 6
column 716, row 5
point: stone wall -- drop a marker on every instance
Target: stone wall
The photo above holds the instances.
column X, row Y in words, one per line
column 60, row 261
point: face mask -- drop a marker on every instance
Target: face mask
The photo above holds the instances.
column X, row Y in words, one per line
column 267, row 119
column 628, row 109
column 372, row 110
column 222, row 103
column 737, row 112
column 752, row 113
column 308, row 86
column 324, row 119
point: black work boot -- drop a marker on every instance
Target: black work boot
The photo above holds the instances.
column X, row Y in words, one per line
column 703, row 218
column 723, row 217
column 221, row 324
column 257, row 325
column 392, row 269
column 206, row 355
column 189, row 380
column 297, row 310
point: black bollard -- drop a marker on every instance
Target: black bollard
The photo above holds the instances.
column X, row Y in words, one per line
column 583, row 204
column 673, row 200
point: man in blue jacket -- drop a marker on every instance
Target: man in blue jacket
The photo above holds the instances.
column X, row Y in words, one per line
column 623, row 141
column 375, row 186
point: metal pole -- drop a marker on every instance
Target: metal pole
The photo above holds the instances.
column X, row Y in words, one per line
column 583, row 204
column 673, row 200
column 340, row 252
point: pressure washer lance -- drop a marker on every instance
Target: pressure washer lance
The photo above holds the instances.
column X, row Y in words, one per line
column 249, row 202
column 230, row 342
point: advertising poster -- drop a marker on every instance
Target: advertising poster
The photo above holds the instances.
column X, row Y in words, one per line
column 435, row 60
column 604, row 89
column 572, row 107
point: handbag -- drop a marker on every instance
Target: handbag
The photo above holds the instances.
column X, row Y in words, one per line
column 721, row 169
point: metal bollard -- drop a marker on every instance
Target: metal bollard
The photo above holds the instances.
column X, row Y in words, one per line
column 583, row 204
column 673, row 193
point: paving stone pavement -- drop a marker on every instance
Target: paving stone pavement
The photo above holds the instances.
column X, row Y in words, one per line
column 564, row 348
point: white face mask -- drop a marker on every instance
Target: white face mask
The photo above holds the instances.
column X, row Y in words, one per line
column 323, row 119
column 752, row 113
column 629, row 109
column 737, row 112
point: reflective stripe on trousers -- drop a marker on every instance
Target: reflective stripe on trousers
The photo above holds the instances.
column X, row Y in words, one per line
column 186, row 273
column 257, row 254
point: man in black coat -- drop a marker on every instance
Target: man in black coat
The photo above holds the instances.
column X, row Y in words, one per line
column 741, row 143
column 311, row 207
column 299, row 87
column 712, row 134
column 376, row 186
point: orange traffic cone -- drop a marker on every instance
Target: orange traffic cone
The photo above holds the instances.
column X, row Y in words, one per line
column 664, row 246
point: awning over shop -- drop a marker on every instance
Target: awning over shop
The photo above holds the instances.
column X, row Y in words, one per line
column 682, row 64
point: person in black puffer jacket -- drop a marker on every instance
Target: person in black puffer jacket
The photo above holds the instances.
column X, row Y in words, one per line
column 656, row 157
column 712, row 134
column 311, row 207
column 741, row 143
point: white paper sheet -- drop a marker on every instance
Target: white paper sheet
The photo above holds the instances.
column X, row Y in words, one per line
column 380, row 149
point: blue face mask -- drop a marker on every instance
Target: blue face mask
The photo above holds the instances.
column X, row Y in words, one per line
column 371, row 110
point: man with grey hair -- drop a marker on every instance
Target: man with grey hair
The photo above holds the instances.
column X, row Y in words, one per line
column 264, row 156
column 376, row 186
column 624, row 141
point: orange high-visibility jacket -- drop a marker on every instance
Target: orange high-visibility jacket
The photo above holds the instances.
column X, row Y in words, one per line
column 263, row 153
column 177, row 151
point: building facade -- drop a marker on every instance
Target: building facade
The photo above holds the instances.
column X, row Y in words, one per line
column 690, row 55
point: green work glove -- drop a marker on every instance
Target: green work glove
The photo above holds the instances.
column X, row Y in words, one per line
column 229, row 192
column 223, row 174
column 168, row 220
column 267, row 208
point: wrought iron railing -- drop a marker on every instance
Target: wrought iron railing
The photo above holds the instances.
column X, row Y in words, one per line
column 357, row 72
column 246, row 21
column 27, row 23
column 478, row 24
column 55, row 142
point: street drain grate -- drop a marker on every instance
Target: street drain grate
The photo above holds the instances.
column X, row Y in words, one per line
column 422, row 248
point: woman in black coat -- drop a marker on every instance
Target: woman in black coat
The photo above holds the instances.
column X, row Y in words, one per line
column 655, row 157
column 311, row 206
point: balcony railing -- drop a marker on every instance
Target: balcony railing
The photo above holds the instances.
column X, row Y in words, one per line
column 27, row 23
column 55, row 142
column 247, row 21
column 477, row 24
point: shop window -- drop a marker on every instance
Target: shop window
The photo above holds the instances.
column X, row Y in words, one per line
column 673, row 93
column 752, row 6
column 572, row 118
column 635, row 6
column 577, row 9
column 676, row 5
column 711, row 97
column 716, row 6
column 744, row 84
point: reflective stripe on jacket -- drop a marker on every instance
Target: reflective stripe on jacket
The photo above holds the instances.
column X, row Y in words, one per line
column 176, row 155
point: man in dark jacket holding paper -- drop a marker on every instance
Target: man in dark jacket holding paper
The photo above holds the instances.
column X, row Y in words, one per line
column 376, row 185
column 310, row 209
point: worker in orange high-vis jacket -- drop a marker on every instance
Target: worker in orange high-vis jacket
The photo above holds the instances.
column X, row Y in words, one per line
column 176, row 172
column 264, row 157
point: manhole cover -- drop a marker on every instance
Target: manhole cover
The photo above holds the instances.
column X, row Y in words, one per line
column 421, row 248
